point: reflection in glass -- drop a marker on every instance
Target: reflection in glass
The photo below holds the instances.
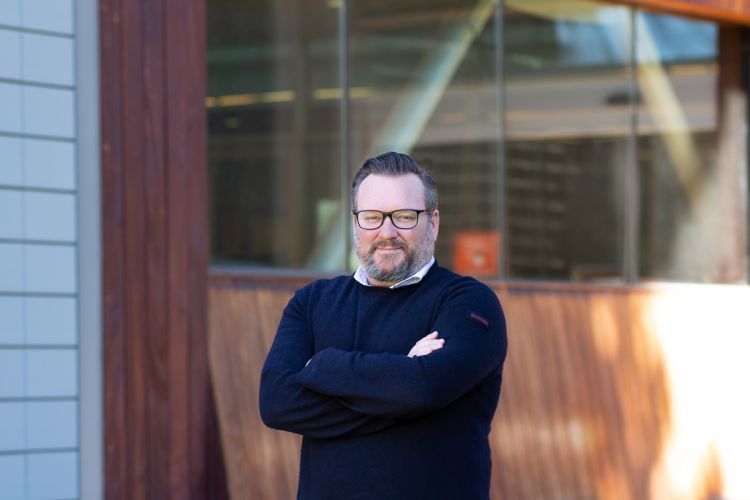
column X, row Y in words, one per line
column 424, row 81
column 273, row 111
column 687, row 231
column 567, row 124
column 576, row 140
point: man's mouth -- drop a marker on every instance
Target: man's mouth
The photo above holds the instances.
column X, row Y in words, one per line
column 389, row 249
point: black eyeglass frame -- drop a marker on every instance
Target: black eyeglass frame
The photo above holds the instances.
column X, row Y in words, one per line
column 390, row 216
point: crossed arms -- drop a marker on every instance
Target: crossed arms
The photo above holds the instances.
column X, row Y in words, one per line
column 347, row 393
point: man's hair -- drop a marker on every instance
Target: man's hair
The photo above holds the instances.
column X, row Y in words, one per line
column 394, row 164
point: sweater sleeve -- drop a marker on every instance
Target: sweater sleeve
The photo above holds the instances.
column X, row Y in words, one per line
column 287, row 405
column 384, row 384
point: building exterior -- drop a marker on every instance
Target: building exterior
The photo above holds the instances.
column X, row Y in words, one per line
column 50, row 337
column 171, row 171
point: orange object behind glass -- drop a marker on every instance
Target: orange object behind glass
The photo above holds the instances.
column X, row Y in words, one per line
column 477, row 253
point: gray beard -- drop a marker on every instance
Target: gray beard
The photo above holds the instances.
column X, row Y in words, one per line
column 414, row 258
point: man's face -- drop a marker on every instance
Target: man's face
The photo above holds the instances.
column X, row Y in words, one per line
column 389, row 254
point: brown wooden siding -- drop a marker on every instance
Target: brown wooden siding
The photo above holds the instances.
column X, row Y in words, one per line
column 587, row 408
column 160, row 425
column 731, row 11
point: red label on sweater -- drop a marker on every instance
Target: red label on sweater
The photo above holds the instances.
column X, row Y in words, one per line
column 479, row 319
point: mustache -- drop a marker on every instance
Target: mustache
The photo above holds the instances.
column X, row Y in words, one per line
column 387, row 245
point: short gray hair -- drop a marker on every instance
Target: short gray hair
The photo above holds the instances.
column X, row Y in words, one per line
column 394, row 164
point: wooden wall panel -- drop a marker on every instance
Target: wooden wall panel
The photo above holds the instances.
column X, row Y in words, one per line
column 605, row 391
column 161, row 435
column 578, row 397
column 243, row 322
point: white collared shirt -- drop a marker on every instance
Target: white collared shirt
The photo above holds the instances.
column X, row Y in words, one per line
column 361, row 276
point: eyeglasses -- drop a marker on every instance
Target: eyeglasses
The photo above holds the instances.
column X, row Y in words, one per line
column 406, row 218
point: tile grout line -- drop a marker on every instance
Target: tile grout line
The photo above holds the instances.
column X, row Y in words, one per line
column 33, row 83
column 35, row 31
column 33, row 347
column 39, row 137
column 51, row 295
column 49, row 243
column 37, row 399
column 39, row 451
column 33, row 189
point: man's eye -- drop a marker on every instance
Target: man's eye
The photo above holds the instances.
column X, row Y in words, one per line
column 405, row 218
column 372, row 218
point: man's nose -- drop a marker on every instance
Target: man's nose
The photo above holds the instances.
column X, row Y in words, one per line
column 388, row 230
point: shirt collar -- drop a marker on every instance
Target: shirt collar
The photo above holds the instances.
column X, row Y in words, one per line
column 361, row 276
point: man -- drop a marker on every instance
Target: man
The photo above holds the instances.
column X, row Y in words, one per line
column 391, row 375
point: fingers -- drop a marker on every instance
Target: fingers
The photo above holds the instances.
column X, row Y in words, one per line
column 427, row 337
column 425, row 350
column 426, row 345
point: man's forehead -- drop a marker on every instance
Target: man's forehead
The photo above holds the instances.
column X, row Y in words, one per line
column 407, row 188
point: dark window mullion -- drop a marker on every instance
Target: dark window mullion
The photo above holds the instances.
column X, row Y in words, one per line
column 501, row 131
column 345, row 138
column 631, row 198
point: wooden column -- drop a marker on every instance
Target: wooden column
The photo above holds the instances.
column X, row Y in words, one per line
column 161, row 438
column 730, row 228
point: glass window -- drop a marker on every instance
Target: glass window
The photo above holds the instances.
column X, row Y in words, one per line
column 274, row 134
column 424, row 81
column 567, row 99
column 570, row 140
column 691, row 216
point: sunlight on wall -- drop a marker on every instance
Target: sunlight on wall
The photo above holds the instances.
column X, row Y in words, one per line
column 705, row 353
column 607, row 336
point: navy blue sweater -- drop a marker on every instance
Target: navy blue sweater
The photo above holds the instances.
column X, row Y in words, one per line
column 376, row 423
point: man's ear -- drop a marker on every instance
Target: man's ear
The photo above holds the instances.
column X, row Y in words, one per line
column 435, row 221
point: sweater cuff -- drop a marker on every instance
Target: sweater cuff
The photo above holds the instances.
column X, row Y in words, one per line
column 309, row 375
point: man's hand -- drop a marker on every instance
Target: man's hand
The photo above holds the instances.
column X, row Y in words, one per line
column 426, row 345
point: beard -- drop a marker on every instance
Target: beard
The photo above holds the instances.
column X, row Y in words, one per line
column 384, row 267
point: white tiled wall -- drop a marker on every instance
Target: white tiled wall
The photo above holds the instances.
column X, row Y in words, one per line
column 11, row 327
column 10, row 107
column 48, row 15
column 12, row 476
column 39, row 349
column 10, row 12
column 10, row 207
column 48, row 112
column 11, row 267
column 10, row 54
column 49, row 164
column 12, row 432
column 49, row 216
column 10, row 167
column 52, row 475
column 51, row 320
column 11, row 373
column 51, row 372
column 47, row 59
column 51, row 424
